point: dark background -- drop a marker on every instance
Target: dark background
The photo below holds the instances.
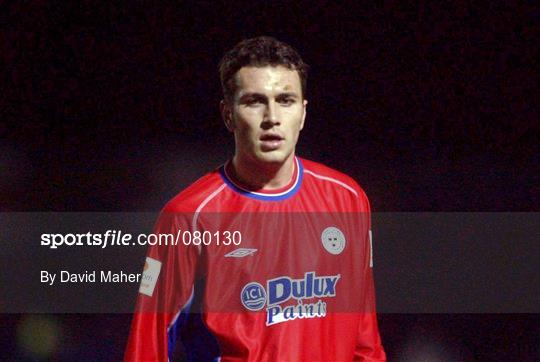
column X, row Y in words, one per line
column 429, row 107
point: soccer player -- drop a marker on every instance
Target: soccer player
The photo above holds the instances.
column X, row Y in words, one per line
column 273, row 253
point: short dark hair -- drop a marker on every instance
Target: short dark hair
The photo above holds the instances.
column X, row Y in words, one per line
column 259, row 52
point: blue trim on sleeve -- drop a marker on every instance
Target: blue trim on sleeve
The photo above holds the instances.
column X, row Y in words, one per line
column 200, row 344
column 174, row 330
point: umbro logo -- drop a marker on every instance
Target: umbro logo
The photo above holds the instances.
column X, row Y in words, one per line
column 240, row 253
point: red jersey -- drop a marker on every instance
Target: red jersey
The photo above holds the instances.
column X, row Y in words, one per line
column 284, row 275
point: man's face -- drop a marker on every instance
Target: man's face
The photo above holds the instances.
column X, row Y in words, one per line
column 266, row 114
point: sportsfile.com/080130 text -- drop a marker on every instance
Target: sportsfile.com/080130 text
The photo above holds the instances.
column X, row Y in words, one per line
column 119, row 238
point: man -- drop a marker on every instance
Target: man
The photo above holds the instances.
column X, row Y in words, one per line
column 274, row 261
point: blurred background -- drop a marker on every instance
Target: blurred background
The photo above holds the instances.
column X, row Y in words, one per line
column 430, row 107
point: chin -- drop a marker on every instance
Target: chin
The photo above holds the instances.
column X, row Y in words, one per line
column 277, row 157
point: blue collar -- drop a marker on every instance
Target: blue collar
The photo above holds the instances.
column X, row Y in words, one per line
column 283, row 195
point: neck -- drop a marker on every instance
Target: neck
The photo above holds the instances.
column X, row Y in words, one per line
column 267, row 176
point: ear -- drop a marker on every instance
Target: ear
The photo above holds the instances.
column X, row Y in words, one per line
column 304, row 105
column 226, row 115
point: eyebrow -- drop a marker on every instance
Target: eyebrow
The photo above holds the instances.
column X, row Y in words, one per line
column 260, row 95
column 288, row 94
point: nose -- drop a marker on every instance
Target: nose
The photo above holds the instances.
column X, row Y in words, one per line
column 271, row 116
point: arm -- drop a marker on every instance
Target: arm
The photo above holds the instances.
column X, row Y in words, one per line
column 164, row 296
column 369, row 346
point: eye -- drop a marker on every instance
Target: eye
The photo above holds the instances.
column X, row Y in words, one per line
column 252, row 101
column 287, row 101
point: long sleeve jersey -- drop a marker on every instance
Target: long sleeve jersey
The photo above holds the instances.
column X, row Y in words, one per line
column 281, row 275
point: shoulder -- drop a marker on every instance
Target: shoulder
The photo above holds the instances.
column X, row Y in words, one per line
column 195, row 195
column 331, row 178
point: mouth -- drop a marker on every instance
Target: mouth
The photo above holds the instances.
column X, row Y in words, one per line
column 271, row 141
